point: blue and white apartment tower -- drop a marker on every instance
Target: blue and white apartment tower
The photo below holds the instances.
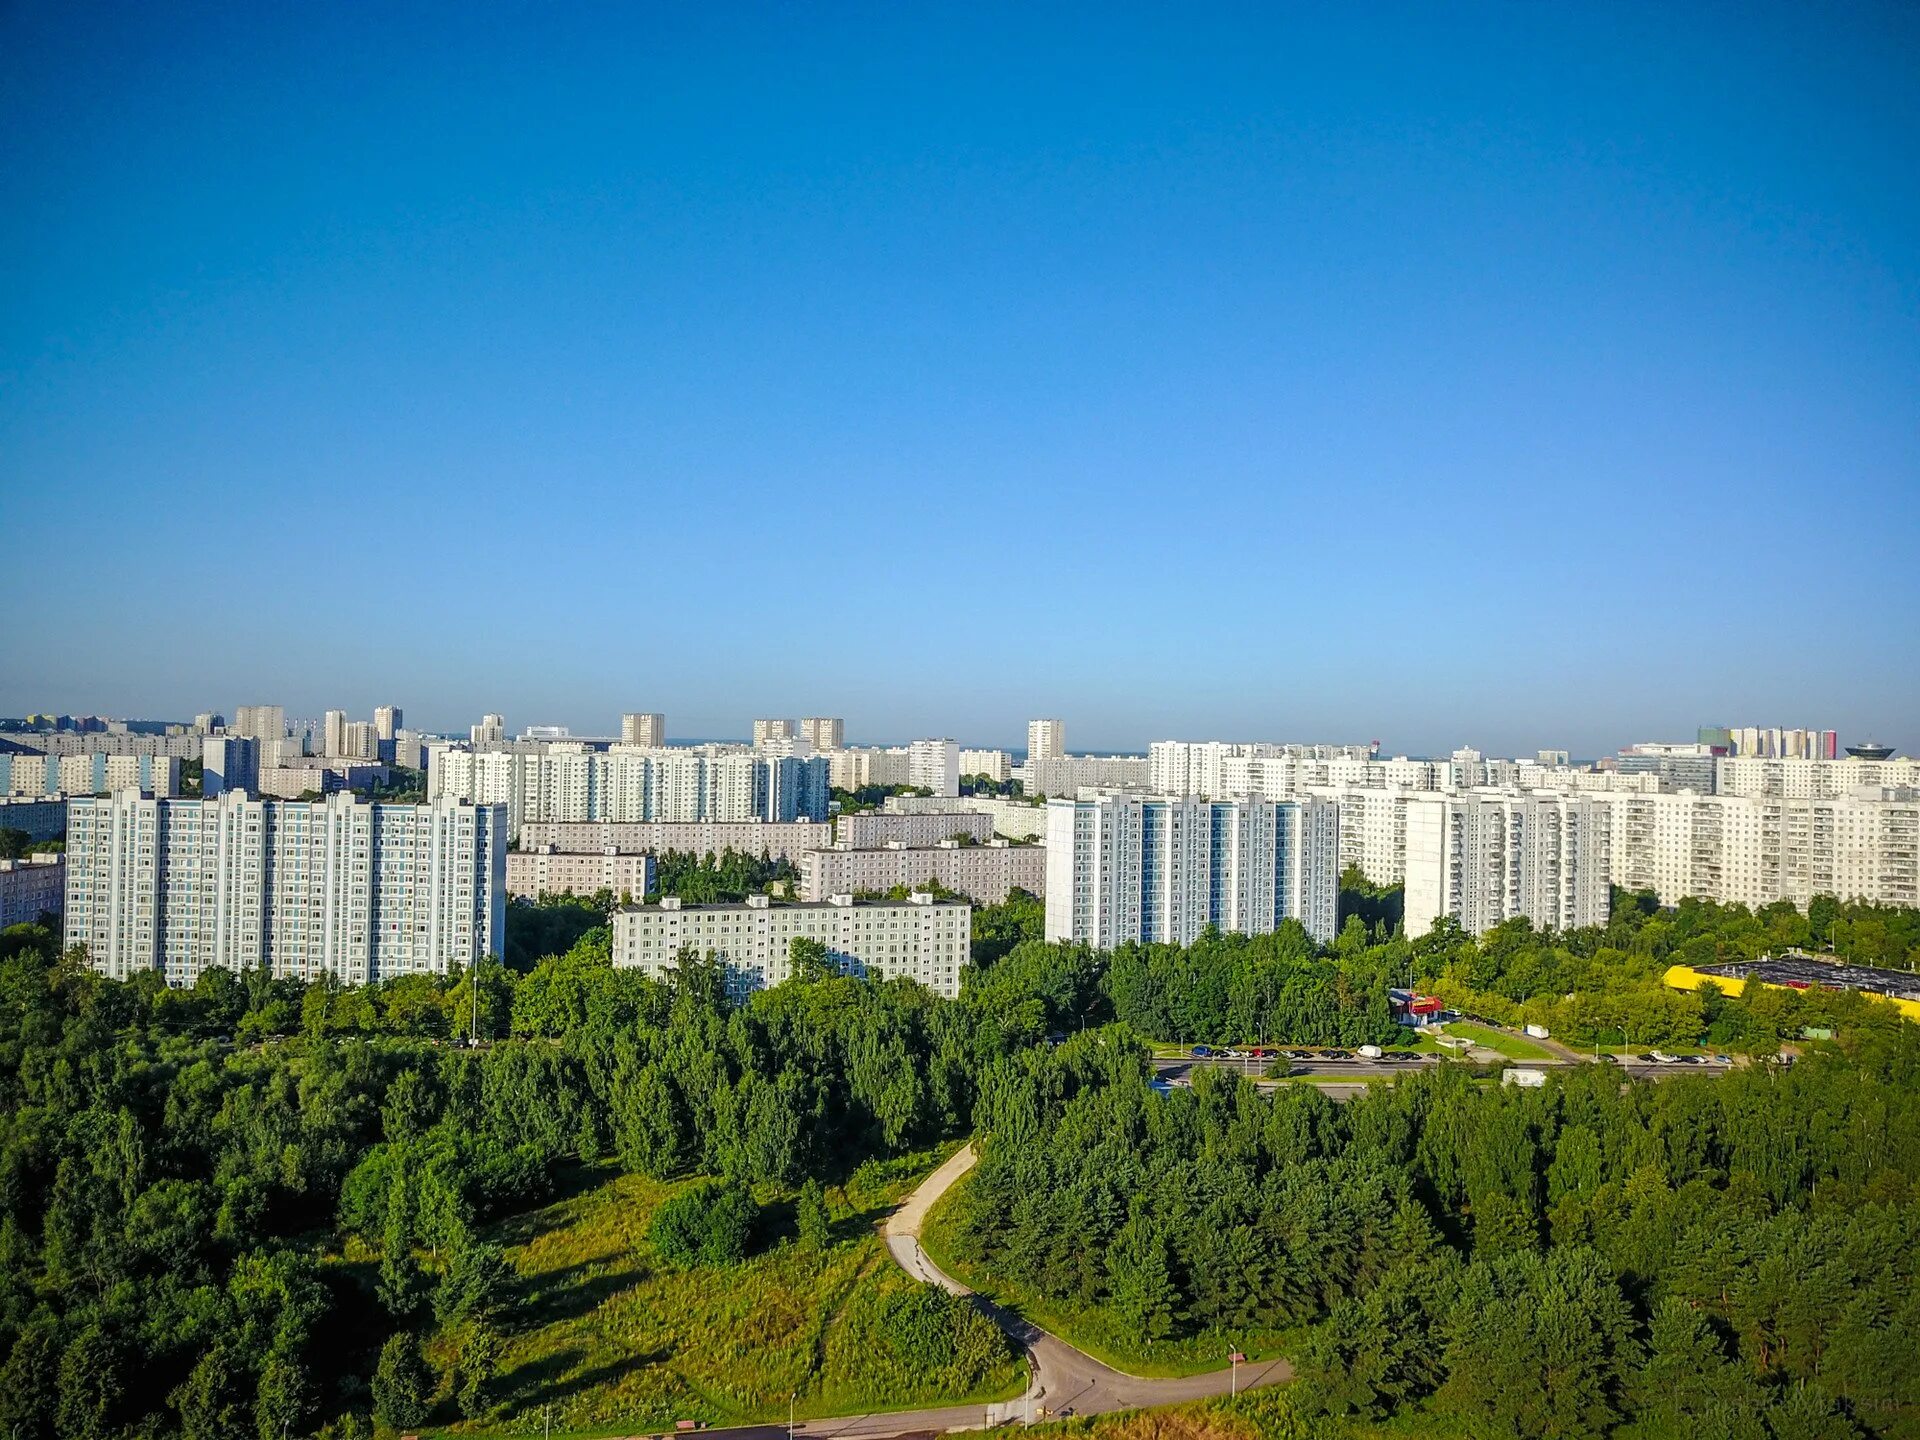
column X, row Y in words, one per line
column 1131, row 867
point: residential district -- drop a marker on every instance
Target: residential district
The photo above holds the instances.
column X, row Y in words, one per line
column 365, row 850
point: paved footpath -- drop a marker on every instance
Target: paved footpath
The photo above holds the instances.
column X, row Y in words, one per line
column 1063, row 1378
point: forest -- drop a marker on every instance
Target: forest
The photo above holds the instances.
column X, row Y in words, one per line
column 1695, row 1258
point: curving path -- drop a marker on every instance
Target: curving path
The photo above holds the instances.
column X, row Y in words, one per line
column 1063, row 1377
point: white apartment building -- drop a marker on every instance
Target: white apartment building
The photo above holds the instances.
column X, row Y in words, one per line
column 387, row 723
column 259, row 722
column 773, row 732
column 304, row 889
column 996, row 765
column 985, row 874
column 1219, row 769
column 1130, row 868
column 824, row 732
column 934, row 766
column 1046, row 739
column 921, row 939
column 852, row 767
column 647, row 729
column 1012, row 819
column 571, row 781
column 1373, row 830
column 546, row 871
column 313, row 776
column 1067, row 774
column 87, row 773
column 32, row 887
column 1483, row 857
column 1802, row 779
column 914, row 829
column 1758, row 849
column 333, row 730
column 776, row 841
column 491, row 730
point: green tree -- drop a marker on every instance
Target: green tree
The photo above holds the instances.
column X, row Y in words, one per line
column 402, row 1385
column 812, row 1222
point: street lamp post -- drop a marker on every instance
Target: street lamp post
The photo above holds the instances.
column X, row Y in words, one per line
column 1233, row 1382
column 790, row 1397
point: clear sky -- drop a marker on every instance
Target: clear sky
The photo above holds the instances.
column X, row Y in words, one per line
column 1514, row 375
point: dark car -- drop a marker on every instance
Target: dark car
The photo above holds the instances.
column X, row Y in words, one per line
column 1336, row 1055
column 1201, row 1052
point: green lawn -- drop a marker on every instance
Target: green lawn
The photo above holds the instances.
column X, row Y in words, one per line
column 1501, row 1042
column 1091, row 1328
column 617, row 1341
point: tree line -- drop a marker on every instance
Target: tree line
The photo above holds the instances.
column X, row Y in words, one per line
column 1692, row 1258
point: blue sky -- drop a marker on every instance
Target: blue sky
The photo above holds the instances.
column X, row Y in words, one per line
column 1512, row 375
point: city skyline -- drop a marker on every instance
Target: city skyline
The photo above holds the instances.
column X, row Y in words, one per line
column 1357, row 374
column 1085, row 734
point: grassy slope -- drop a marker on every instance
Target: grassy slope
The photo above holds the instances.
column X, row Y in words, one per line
column 1262, row 1415
column 1090, row 1328
column 619, row 1342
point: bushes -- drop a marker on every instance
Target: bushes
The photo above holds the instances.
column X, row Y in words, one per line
column 706, row 1224
column 915, row 1338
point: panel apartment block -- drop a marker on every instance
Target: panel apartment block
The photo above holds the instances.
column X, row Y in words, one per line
column 985, row 874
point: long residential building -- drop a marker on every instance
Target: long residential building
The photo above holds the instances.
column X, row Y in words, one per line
column 30, row 887
column 985, row 874
column 88, row 773
column 338, row 886
column 571, row 781
column 1128, row 867
column 785, row 840
column 868, row 830
column 1812, row 779
column 1012, row 819
column 1066, row 774
column 546, row 871
column 919, row 939
column 1759, row 849
column 37, row 817
column 1484, row 857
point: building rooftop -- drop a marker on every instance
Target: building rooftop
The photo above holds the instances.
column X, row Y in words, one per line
column 1799, row 971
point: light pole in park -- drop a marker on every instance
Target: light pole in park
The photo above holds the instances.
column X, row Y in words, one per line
column 790, row 1397
column 1233, row 1381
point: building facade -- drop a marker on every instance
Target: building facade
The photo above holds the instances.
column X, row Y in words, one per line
column 546, row 871
column 920, row 939
column 996, row 765
column 1758, row 849
column 934, row 766
column 824, row 732
column 1136, row 868
column 985, row 874
column 1046, row 739
column 643, row 728
column 574, row 782
column 1483, row 858
column 30, row 887
column 303, row 889
column 88, row 773
column 1066, row 774
column 785, row 841
column 912, row 829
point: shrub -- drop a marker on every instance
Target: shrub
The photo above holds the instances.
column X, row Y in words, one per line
column 705, row 1224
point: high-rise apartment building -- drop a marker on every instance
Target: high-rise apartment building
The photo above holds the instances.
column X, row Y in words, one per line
column 229, row 762
column 1483, row 858
column 985, row 874
column 643, row 728
column 824, row 732
column 920, row 939
column 301, row 888
column 934, row 766
column 1759, row 849
column 87, row 773
column 261, row 722
column 1129, row 867
column 773, row 732
column 1046, row 739
column 1065, row 774
column 573, row 782
column 333, row 733
column 387, row 723
column 492, row 730
column 995, row 765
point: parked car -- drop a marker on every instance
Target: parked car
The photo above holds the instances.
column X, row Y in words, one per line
column 1336, row 1055
column 1201, row 1052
